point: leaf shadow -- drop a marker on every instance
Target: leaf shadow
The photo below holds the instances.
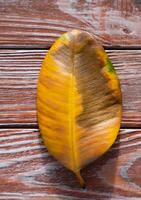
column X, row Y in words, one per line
column 100, row 176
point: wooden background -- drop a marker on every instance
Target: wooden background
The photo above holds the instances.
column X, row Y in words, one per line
column 27, row 29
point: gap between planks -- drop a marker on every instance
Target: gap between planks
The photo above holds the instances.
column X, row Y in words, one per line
column 32, row 126
column 48, row 47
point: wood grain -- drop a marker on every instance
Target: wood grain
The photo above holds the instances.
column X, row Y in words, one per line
column 26, row 23
column 19, row 70
column 27, row 171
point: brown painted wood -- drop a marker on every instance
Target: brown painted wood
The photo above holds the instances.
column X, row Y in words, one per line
column 19, row 70
column 26, row 23
column 27, row 170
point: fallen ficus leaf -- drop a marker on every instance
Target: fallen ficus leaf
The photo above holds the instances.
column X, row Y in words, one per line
column 78, row 101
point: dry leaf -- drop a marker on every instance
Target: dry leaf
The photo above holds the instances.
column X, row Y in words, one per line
column 79, row 101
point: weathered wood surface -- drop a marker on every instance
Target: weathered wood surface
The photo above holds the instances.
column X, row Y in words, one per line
column 36, row 23
column 19, row 70
column 27, row 170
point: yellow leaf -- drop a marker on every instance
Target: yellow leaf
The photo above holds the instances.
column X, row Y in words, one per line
column 79, row 101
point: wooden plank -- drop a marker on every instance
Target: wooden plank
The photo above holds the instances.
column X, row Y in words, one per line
column 18, row 79
column 37, row 23
column 27, row 170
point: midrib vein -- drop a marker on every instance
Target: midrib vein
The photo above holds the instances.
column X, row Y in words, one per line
column 72, row 113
